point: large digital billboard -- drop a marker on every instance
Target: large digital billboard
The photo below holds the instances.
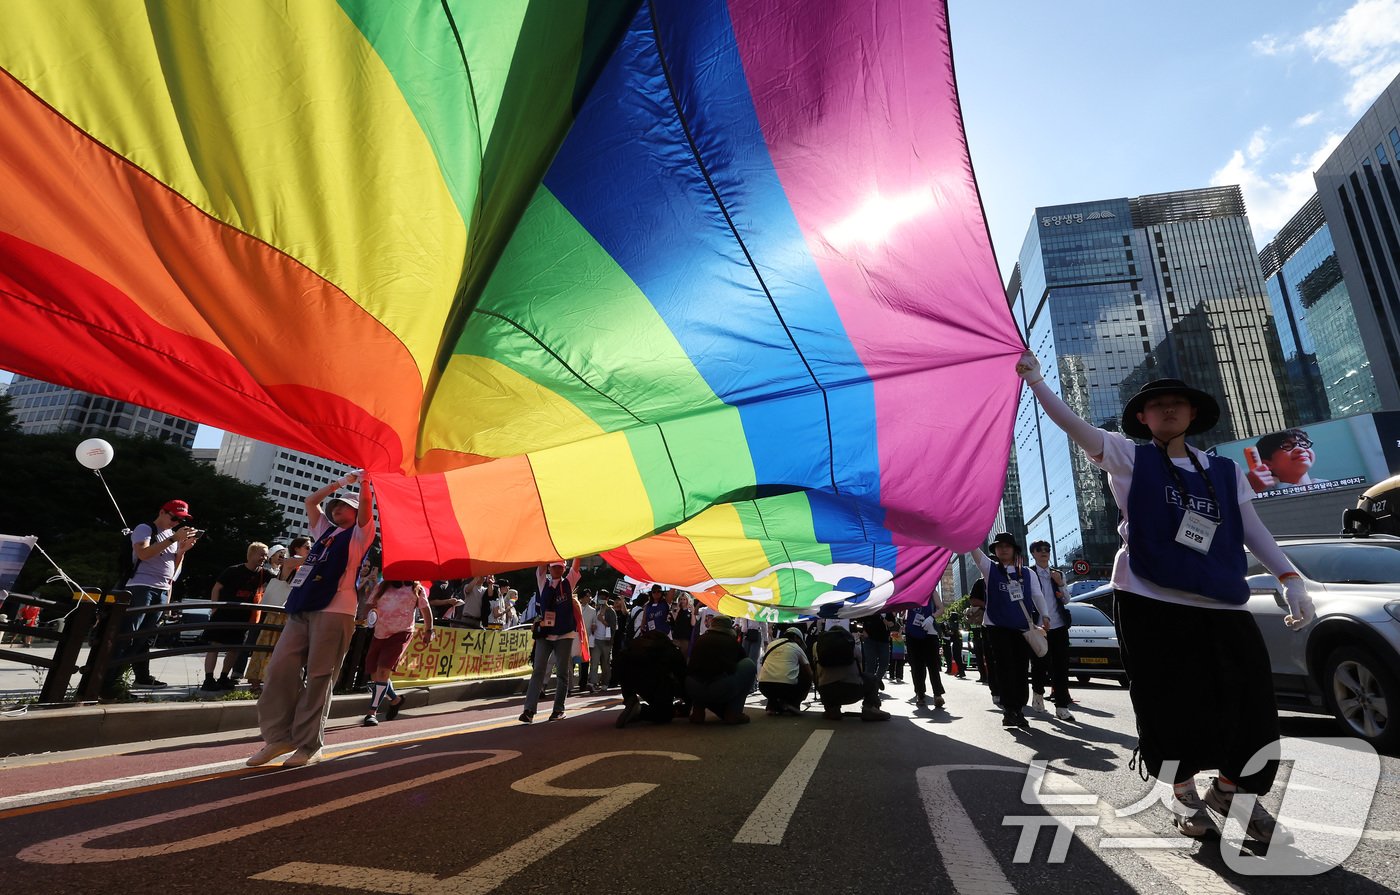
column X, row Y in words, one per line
column 1325, row 456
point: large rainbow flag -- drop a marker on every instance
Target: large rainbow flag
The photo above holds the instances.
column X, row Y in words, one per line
column 703, row 286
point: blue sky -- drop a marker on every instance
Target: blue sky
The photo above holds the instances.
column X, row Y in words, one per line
column 1072, row 100
column 1075, row 100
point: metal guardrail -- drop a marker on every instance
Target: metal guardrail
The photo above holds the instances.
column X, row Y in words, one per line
column 98, row 620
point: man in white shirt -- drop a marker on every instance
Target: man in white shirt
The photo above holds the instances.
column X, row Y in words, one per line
column 590, row 616
column 785, row 677
column 1054, row 665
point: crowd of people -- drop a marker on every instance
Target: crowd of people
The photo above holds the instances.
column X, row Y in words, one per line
column 1201, row 688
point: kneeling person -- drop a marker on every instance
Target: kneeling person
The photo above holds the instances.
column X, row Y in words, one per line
column 840, row 680
column 720, row 675
column 786, row 676
column 651, row 672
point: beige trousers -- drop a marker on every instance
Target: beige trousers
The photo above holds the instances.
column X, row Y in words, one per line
column 293, row 709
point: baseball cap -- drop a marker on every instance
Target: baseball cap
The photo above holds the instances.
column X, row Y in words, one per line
column 177, row 509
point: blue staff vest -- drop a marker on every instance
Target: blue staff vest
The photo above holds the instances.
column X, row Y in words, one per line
column 914, row 623
column 560, row 601
column 657, row 617
column 1155, row 510
column 328, row 558
column 1002, row 611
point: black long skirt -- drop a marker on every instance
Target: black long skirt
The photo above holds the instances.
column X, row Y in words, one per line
column 1201, row 687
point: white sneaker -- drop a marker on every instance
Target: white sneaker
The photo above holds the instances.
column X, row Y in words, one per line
column 302, row 757
column 269, row 752
column 1038, row 702
column 1064, row 714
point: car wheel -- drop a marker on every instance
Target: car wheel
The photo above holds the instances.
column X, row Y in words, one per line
column 1361, row 693
column 1083, row 678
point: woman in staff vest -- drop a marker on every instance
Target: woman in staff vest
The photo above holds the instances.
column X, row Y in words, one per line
column 1014, row 604
column 1200, row 677
column 320, row 609
column 558, row 629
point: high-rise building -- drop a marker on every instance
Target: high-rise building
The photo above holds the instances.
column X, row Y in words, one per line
column 288, row 476
column 1328, row 371
column 1360, row 191
column 41, row 408
column 1117, row 292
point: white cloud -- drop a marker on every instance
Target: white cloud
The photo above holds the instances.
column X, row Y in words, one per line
column 1366, row 42
column 1273, row 197
column 1258, row 144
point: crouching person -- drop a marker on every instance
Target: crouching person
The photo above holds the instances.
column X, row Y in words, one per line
column 651, row 672
column 840, row 680
column 786, row 676
column 720, row 676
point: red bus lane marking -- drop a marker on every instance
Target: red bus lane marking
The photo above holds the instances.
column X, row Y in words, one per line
column 77, row 848
column 489, row 874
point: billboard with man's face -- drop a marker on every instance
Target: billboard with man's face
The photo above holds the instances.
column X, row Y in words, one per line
column 1323, row 456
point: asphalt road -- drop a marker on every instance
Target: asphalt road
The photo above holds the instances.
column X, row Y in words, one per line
column 466, row 800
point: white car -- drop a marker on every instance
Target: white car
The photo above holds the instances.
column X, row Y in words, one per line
column 1093, row 645
column 1347, row 662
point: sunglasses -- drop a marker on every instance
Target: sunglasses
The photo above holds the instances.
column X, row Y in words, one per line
column 1292, row 443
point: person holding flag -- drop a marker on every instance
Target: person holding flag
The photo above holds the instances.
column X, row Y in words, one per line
column 558, row 627
column 1201, row 680
column 320, row 609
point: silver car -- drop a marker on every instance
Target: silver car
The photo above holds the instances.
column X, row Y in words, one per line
column 1347, row 662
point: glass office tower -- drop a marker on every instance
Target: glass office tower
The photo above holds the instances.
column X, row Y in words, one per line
column 1117, row 292
column 1359, row 186
column 1328, row 371
column 41, row 408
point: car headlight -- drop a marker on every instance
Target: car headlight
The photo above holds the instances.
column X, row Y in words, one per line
column 1393, row 607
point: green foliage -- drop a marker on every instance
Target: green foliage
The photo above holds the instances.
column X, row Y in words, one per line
column 9, row 427
column 49, row 494
column 953, row 611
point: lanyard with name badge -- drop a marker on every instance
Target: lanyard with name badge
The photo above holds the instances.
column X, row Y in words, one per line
column 1196, row 530
column 1013, row 585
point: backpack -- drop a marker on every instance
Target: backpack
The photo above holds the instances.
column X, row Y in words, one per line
column 127, row 563
column 835, row 648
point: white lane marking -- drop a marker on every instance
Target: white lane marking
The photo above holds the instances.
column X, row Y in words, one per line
column 75, row 849
column 975, row 871
column 966, row 858
column 500, row 867
column 119, row 783
column 769, row 821
column 345, row 876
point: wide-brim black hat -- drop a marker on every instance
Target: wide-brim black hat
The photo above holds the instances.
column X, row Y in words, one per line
column 1005, row 538
column 1207, row 408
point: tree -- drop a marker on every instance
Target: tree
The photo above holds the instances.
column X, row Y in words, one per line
column 9, row 426
column 49, row 494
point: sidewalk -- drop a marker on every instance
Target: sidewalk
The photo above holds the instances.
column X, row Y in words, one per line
column 179, row 709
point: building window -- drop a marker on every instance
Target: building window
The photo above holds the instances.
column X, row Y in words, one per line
column 1380, row 154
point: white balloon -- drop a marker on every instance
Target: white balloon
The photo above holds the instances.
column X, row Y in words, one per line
column 94, row 453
